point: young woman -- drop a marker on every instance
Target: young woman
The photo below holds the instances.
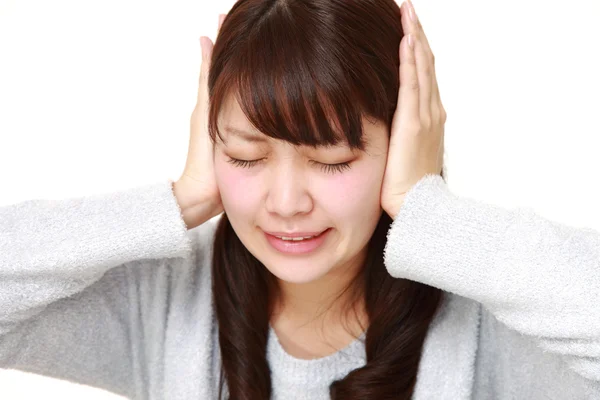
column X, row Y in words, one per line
column 342, row 266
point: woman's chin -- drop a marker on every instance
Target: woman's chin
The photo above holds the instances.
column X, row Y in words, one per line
column 298, row 272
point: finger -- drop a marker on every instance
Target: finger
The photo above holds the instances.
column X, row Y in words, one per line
column 418, row 27
column 435, row 91
column 200, row 142
column 420, row 32
column 424, row 74
column 408, row 95
column 410, row 24
column 206, row 46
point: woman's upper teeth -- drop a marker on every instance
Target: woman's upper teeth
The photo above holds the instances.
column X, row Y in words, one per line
column 294, row 238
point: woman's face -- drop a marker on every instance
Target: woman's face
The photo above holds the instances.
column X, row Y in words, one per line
column 290, row 190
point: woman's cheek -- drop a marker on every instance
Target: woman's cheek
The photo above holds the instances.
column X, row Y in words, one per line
column 350, row 191
column 236, row 187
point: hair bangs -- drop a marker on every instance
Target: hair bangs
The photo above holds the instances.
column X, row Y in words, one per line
column 289, row 88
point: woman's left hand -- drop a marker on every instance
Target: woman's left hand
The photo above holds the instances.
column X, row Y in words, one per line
column 417, row 133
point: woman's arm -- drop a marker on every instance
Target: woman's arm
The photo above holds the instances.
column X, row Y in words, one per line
column 537, row 277
column 51, row 251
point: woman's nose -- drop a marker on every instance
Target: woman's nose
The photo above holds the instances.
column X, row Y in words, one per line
column 288, row 194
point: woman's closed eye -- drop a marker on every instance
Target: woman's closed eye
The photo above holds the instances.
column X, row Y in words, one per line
column 243, row 163
column 333, row 168
column 328, row 168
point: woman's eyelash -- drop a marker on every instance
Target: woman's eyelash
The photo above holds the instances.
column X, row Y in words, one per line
column 333, row 168
column 328, row 168
column 242, row 163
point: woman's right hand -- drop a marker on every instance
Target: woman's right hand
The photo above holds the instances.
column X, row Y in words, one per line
column 196, row 190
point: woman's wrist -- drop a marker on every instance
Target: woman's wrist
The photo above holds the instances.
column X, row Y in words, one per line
column 196, row 208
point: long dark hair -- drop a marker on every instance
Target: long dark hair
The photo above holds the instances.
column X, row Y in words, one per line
column 303, row 71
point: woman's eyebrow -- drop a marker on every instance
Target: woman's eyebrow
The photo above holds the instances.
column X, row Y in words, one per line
column 245, row 135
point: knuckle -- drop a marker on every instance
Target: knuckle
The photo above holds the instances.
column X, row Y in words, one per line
column 439, row 115
column 414, row 85
column 426, row 123
column 443, row 116
column 428, row 72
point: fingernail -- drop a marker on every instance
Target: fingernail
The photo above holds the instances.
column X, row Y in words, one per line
column 411, row 12
column 202, row 46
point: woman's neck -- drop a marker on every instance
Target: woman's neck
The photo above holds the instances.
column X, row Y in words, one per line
column 318, row 318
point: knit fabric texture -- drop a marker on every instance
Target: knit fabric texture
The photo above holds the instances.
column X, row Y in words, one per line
column 114, row 292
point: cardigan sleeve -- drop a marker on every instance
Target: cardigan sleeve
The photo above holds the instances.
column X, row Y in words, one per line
column 538, row 277
column 74, row 275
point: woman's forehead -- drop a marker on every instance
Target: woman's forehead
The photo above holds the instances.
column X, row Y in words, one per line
column 233, row 122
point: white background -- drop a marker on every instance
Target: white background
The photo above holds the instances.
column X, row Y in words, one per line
column 95, row 96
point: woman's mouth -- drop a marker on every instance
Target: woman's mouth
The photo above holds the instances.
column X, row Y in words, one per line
column 297, row 243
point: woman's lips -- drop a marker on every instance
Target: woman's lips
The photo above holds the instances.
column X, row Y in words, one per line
column 297, row 246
